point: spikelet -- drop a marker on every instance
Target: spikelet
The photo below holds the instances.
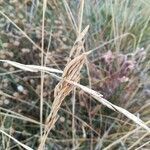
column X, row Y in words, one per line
column 63, row 88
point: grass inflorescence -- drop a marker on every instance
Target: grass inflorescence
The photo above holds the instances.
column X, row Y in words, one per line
column 74, row 74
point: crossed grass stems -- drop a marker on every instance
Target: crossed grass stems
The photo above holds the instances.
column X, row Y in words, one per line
column 69, row 80
column 70, row 77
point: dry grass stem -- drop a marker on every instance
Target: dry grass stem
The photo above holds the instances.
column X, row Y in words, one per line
column 21, row 31
column 70, row 16
column 63, row 88
column 31, row 68
column 21, row 144
column 42, row 64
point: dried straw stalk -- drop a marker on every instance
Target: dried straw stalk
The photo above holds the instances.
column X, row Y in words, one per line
column 63, row 88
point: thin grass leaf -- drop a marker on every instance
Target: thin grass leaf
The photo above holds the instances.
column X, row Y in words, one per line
column 18, row 65
column 31, row 68
column 82, row 34
column 21, row 144
column 98, row 97
column 93, row 93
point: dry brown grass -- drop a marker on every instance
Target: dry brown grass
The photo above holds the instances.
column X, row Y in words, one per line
column 71, row 73
column 69, row 79
column 76, row 58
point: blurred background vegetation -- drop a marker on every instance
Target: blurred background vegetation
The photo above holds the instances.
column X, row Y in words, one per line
column 119, row 70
